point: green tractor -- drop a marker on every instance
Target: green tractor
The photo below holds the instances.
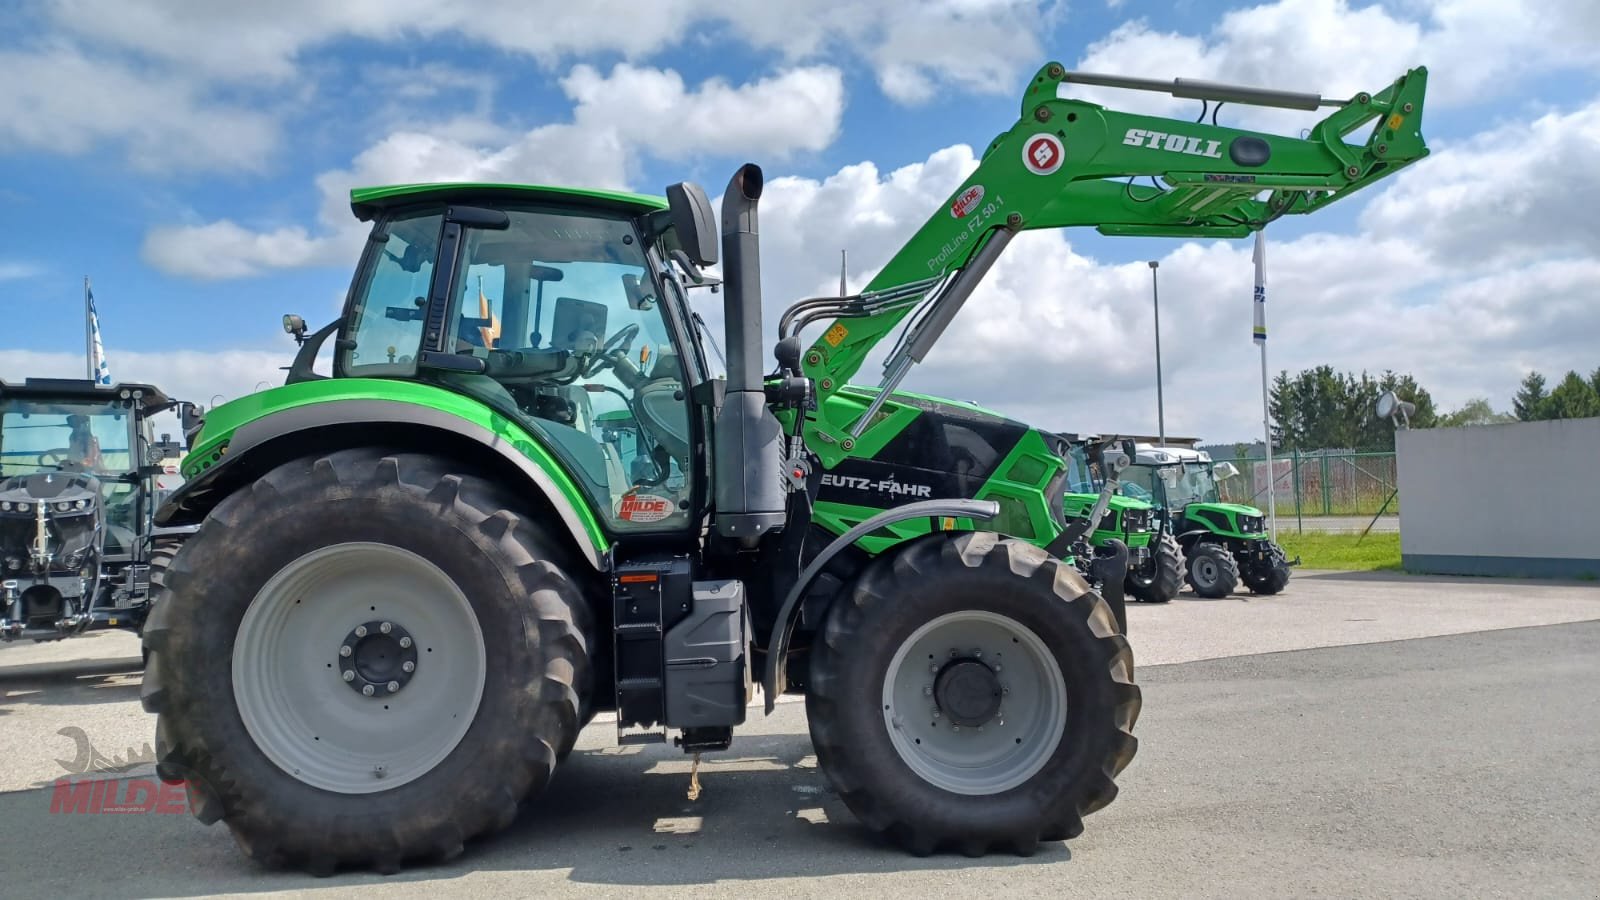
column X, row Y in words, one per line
column 1154, row 569
column 1223, row 543
column 416, row 578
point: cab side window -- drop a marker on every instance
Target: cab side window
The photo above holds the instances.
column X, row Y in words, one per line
column 386, row 321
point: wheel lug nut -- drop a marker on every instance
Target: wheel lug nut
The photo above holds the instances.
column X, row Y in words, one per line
column 933, row 669
column 977, row 654
column 394, row 686
column 955, row 727
column 349, row 675
column 386, row 628
column 345, row 650
column 361, row 631
column 997, row 668
column 367, row 690
column 927, row 690
column 408, row 666
column 405, row 643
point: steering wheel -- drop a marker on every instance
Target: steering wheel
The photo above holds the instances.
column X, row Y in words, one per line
column 621, row 342
column 57, row 457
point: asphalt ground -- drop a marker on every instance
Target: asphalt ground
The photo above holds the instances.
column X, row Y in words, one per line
column 1358, row 735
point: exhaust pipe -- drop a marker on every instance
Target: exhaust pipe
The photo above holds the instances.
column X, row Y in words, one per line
column 749, row 490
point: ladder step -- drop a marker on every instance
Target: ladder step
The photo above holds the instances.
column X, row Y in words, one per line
column 630, row 683
column 645, row 737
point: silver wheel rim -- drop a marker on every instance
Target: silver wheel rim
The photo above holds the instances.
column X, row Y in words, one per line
column 294, row 700
column 1010, row 747
column 1205, row 572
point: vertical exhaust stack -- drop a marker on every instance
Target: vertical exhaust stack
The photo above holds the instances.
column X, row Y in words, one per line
column 749, row 489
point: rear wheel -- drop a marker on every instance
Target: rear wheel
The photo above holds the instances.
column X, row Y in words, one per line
column 1161, row 577
column 972, row 691
column 1212, row 570
column 365, row 659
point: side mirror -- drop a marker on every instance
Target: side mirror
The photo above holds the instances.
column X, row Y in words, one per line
column 693, row 221
column 190, row 418
column 1225, row 470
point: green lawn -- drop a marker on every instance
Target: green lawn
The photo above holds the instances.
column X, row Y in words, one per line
column 1318, row 550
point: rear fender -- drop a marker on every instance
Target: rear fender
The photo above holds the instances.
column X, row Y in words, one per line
column 320, row 427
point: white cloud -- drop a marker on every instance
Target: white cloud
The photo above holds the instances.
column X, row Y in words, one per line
column 984, row 45
column 1475, row 51
column 72, row 104
column 617, row 118
column 16, row 271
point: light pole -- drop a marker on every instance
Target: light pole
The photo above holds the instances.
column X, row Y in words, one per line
column 1161, row 415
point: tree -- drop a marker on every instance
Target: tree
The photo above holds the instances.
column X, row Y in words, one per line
column 1573, row 398
column 1322, row 408
column 1529, row 404
column 1476, row 411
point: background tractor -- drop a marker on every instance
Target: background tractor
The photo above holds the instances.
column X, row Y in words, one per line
column 1223, row 543
column 418, row 576
column 1154, row 570
column 79, row 465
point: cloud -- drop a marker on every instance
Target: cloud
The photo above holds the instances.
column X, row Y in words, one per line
column 71, row 104
column 617, row 119
column 17, row 271
column 978, row 45
column 1476, row 50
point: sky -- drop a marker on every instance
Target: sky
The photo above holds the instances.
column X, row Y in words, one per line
column 194, row 158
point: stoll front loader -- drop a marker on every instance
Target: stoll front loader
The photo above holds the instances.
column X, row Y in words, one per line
column 416, row 579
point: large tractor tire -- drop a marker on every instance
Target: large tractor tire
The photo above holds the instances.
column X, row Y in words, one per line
column 1160, row 579
column 464, row 680
column 1271, row 578
column 972, row 692
column 161, row 555
column 1213, row 572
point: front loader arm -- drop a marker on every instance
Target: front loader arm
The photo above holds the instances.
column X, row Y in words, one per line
column 1063, row 164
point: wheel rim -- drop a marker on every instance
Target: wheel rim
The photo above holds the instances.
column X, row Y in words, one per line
column 958, row 658
column 316, row 722
column 1205, row 572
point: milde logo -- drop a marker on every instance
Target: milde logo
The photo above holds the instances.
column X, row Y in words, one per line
column 88, row 791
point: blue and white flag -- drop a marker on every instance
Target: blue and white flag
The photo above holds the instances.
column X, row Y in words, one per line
column 1261, row 287
column 100, row 370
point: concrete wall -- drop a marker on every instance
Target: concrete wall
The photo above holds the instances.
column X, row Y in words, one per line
column 1517, row 499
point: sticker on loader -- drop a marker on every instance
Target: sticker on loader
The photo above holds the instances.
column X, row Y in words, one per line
column 644, row 508
column 967, row 202
column 1043, row 154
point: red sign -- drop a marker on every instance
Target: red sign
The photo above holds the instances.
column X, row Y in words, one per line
column 644, row 508
column 1043, row 154
column 967, row 202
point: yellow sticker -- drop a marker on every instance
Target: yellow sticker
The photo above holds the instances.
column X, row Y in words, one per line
column 836, row 334
column 948, row 524
column 112, row 621
column 1395, row 120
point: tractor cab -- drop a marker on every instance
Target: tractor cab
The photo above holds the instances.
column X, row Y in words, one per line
column 78, row 470
column 557, row 309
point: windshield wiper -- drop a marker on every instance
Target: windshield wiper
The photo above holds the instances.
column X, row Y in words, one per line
column 703, row 331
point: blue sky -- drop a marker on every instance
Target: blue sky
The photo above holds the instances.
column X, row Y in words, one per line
column 155, row 151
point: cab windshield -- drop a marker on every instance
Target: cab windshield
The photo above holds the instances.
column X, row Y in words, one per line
column 1194, row 484
column 72, row 436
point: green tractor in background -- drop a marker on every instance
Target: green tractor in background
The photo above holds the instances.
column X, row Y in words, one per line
column 1153, row 572
column 1222, row 543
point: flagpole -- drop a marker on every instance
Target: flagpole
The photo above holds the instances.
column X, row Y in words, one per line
column 88, row 332
column 1260, row 336
column 844, row 265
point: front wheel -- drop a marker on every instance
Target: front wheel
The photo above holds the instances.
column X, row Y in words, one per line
column 1271, row 576
column 1213, row 572
column 1160, row 578
column 972, row 691
column 364, row 659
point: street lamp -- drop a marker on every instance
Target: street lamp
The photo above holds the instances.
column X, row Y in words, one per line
column 1155, row 296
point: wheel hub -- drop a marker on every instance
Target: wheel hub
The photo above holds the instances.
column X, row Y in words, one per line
column 378, row 658
column 968, row 692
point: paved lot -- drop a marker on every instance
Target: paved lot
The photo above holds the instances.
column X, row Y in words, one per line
column 1288, row 524
column 1357, row 736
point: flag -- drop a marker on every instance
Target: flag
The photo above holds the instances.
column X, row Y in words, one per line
column 100, row 369
column 1260, row 257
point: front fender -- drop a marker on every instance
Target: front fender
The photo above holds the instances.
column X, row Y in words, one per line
column 289, row 421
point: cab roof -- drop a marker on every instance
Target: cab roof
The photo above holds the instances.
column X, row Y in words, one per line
column 68, row 389
column 1154, row 455
column 368, row 202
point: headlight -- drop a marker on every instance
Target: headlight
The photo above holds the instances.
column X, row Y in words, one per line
column 24, row 507
column 64, row 506
column 5, row 506
column 83, row 504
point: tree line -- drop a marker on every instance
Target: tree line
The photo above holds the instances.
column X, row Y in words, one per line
column 1322, row 408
